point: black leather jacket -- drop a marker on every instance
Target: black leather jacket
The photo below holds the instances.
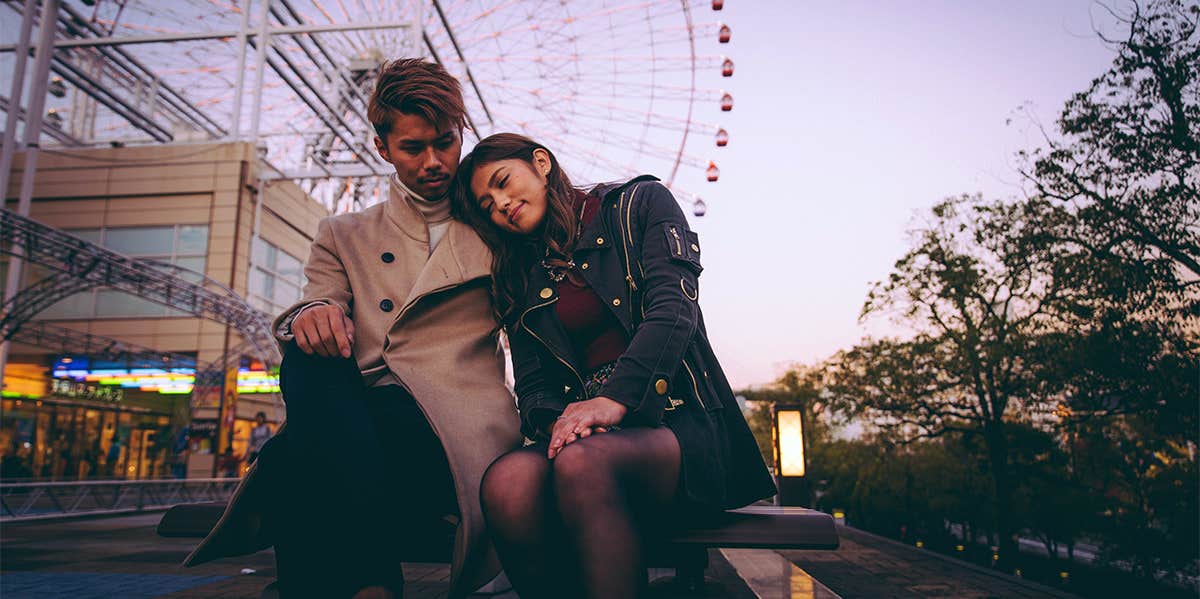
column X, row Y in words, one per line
column 640, row 257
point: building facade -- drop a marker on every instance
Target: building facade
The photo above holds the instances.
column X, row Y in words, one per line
column 202, row 212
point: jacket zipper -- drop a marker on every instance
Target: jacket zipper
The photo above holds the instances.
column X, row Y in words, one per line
column 695, row 387
column 625, row 247
column 521, row 323
column 678, row 243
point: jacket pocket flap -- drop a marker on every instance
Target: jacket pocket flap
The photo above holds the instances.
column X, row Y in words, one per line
column 683, row 245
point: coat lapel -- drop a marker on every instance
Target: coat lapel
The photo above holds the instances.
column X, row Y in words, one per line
column 460, row 257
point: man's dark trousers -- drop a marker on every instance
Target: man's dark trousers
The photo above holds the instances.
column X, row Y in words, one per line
column 365, row 472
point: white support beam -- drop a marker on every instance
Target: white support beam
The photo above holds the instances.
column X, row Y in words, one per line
column 211, row 35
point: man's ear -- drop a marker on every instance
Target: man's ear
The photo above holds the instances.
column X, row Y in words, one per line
column 541, row 162
column 382, row 149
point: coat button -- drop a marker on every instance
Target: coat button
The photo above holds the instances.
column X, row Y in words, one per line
column 616, row 301
column 546, row 293
column 388, row 257
column 660, row 386
column 386, row 305
column 583, row 266
column 695, row 248
column 599, row 241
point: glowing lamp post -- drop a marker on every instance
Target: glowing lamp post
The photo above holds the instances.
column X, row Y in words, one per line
column 788, row 431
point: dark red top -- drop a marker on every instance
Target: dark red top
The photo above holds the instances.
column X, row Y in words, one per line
column 595, row 333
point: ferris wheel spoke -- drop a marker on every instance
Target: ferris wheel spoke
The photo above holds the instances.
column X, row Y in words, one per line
column 614, row 84
column 562, row 21
column 622, row 88
column 555, row 139
column 650, row 120
column 576, row 98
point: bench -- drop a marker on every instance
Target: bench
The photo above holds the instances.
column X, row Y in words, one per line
column 756, row 526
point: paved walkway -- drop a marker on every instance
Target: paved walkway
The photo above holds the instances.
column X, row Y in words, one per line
column 868, row 566
column 123, row 558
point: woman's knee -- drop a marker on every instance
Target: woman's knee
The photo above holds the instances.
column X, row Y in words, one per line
column 584, row 477
column 513, row 484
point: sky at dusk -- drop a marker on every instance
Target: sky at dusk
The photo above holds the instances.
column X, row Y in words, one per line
column 852, row 118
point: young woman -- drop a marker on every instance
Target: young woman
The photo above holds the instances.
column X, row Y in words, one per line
column 633, row 420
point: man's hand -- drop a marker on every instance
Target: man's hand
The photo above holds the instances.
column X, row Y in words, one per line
column 325, row 331
column 583, row 418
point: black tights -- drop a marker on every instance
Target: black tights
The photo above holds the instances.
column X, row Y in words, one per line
column 568, row 527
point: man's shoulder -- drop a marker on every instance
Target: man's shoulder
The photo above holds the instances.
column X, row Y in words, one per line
column 355, row 219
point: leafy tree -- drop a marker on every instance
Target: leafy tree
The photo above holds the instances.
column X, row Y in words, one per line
column 977, row 294
column 1119, row 191
column 1123, row 172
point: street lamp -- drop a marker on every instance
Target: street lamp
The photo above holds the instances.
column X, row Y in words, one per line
column 788, row 433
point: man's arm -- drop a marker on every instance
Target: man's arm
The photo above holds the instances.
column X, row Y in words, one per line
column 320, row 323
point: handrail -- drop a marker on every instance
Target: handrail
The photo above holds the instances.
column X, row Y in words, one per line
column 58, row 499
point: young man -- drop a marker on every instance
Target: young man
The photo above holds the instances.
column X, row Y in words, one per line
column 394, row 387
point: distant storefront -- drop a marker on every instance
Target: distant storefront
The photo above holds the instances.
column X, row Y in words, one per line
column 61, row 429
column 77, row 418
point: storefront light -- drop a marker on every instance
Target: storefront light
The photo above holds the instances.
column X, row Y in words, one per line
column 176, row 381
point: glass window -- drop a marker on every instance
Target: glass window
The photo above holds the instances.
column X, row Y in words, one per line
column 261, row 283
column 119, row 303
column 288, row 267
column 276, row 280
column 192, row 264
column 92, row 235
column 193, row 239
column 182, row 245
column 75, row 306
column 141, row 241
column 286, row 293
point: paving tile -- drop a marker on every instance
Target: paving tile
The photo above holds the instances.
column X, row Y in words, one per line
column 123, row 558
column 868, row 566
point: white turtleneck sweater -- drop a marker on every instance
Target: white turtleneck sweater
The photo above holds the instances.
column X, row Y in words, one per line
column 435, row 212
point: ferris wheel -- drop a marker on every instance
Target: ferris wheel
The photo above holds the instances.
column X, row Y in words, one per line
column 613, row 87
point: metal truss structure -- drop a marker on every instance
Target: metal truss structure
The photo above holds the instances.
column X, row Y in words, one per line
column 91, row 265
column 63, row 340
column 616, row 87
column 45, row 500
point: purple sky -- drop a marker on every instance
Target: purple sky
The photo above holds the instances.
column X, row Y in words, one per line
column 851, row 119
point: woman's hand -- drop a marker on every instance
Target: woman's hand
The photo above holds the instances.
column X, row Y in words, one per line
column 583, row 418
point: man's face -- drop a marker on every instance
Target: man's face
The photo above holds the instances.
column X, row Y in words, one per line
column 425, row 158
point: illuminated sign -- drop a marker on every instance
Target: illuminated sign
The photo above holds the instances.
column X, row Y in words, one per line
column 175, row 381
column 76, row 390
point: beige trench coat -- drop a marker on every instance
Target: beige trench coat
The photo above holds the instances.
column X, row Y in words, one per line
column 436, row 340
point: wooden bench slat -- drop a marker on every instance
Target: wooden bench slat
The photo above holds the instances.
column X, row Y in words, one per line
column 765, row 527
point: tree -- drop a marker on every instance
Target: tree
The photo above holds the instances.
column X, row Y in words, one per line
column 1119, row 186
column 1124, row 171
column 977, row 294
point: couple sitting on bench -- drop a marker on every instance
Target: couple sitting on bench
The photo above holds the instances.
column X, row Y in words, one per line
column 398, row 417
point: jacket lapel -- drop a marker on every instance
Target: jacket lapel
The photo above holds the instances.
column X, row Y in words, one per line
column 460, row 257
column 540, row 318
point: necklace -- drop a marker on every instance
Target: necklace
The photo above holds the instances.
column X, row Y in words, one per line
column 556, row 268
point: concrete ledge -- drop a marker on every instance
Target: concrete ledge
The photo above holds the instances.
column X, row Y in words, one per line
column 771, row 576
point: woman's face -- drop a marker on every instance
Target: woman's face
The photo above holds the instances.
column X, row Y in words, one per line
column 512, row 192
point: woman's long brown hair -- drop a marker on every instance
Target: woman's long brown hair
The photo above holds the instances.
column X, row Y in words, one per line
column 514, row 255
